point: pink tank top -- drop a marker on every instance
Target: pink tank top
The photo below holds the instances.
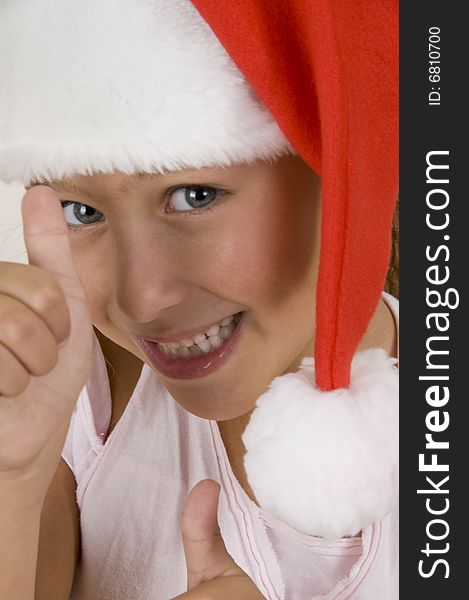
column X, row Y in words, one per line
column 131, row 490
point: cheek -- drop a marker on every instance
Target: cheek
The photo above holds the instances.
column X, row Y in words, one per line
column 95, row 272
column 270, row 255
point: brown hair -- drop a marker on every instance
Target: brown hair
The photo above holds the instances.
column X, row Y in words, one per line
column 392, row 278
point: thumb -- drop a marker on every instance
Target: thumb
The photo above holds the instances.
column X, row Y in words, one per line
column 46, row 238
column 206, row 555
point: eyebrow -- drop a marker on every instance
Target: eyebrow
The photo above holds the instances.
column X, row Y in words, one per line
column 66, row 186
column 69, row 187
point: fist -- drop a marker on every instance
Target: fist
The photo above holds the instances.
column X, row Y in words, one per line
column 34, row 320
column 46, row 342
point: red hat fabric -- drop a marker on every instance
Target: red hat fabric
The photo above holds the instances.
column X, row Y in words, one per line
column 328, row 70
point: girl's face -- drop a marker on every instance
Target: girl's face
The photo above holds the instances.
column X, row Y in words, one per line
column 209, row 275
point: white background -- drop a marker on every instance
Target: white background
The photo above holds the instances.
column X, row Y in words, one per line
column 11, row 233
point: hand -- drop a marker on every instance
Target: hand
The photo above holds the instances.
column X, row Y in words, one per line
column 211, row 572
column 45, row 348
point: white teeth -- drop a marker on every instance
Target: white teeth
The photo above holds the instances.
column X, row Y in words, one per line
column 185, row 352
column 195, row 351
column 214, row 329
column 227, row 331
column 215, row 341
column 204, row 345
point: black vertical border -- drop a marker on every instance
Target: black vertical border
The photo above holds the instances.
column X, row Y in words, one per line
column 425, row 128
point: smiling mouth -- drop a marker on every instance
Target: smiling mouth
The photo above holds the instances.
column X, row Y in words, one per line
column 201, row 343
column 198, row 355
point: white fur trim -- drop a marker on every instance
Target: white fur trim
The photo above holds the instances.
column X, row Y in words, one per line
column 129, row 85
column 327, row 463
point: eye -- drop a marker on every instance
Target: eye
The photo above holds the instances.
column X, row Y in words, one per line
column 192, row 197
column 80, row 214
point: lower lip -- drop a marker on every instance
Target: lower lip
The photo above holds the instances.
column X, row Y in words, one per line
column 178, row 367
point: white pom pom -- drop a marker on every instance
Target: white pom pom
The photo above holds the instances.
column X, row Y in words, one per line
column 327, row 463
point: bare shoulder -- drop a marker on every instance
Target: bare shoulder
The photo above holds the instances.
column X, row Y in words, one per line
column 59, row 542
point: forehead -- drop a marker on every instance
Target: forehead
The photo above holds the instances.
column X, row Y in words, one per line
column 118, row 183
column 257, row 175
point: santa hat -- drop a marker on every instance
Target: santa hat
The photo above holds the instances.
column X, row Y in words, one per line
column 92, row 86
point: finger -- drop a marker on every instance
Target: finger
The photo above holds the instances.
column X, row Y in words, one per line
column 14, row 378
column 46, row 238
column 206, row 555
column 41, row 292
column 27, row 337
column 47, row 243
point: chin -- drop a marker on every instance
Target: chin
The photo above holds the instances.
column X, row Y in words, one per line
column 213, row 405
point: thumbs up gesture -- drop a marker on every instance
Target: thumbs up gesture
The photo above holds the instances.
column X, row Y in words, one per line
column 45, row 347
column 211, row 572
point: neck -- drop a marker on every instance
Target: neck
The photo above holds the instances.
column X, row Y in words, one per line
column 123, row 370
column 231, row 432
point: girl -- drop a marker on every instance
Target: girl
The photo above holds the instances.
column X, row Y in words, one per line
column 199, row 217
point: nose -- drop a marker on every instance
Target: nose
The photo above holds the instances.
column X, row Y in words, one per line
column 146, row 280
